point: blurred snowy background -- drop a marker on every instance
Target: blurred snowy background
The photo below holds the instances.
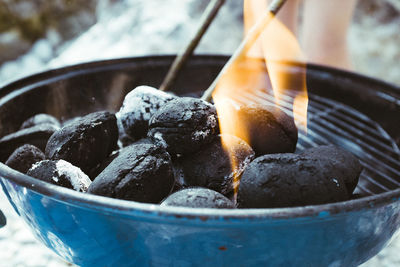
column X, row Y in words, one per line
column 118, row 28
column 36, row 35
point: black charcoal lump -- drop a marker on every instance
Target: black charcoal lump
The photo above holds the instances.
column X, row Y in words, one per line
column 342, row 163
column 40, row 118
column 101, row 166
column 269, row 129
column 138, row 107
column 198, row 198
column 184, row 125
column 94, row 172
column 24, row 157
column 141, row 172
column 70, row 120
column 60, row 172
column 85, row 142
column 212, row 167
column 288, row 180
column 36, row 135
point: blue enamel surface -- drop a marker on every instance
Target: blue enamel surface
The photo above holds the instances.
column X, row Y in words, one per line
column 100, row 237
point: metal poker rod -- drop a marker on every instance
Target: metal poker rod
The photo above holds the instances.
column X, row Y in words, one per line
column 246, row 44
column 207, row 18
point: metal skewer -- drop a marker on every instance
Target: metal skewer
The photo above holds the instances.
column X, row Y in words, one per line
column 208, row 16
column 246, row 44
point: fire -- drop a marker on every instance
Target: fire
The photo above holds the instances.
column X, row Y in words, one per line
column 276, row 45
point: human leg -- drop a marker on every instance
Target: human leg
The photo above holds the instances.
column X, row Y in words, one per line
column 324, row 32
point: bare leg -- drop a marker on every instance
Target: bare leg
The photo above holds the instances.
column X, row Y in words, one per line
column 254, row 9
column 325, row 26
column 288, row 15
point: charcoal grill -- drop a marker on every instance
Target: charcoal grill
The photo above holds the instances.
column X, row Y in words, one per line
column 357, row 113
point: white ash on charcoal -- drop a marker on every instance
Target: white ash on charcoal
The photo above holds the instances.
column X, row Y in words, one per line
column 24, row 157
column 269, row 129
column 198, row 198
column 62, row 173
column 212, row 167
column 141, row 172
column 289, row 180
column 38, row 119
column 36, row 135
column 138, row 107
column 184, row 125
column 85, row 142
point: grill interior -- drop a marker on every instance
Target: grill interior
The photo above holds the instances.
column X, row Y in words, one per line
column 344, row 109
column 331, row 122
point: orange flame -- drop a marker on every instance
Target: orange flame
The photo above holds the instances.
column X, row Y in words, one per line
column 276, row 45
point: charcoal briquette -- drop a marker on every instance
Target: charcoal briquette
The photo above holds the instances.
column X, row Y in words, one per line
column 138, row 107
column 212, row 167
column 40, row 118
column 269, row 129
column 94, row 172
column 198, row 198
column 36, row 135
column 24, row 157
column 184, row 125
column 60, row 172
column 141, row 172
column 70, row 120
column 289, row 180
column 85, row 142
column 342, row 163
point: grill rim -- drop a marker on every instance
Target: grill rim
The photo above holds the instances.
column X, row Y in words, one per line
column 156, row 212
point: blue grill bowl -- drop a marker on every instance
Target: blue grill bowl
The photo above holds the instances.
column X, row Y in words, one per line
column 91, row 230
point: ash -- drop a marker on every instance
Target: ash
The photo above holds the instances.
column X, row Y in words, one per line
column 201, row 134
column 79, row 180
column 138, row 27
column 138, row 107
